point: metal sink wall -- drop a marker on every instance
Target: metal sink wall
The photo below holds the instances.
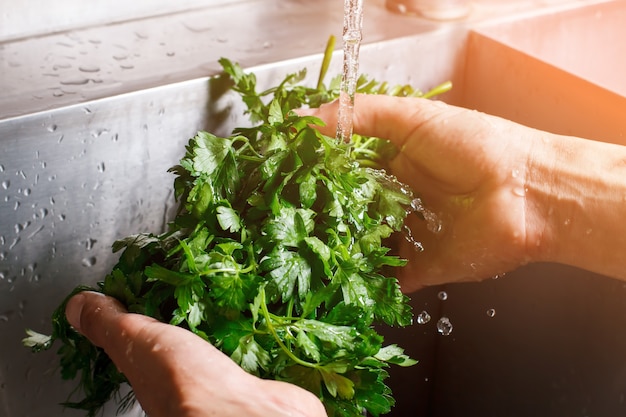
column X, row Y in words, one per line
column 80, row 170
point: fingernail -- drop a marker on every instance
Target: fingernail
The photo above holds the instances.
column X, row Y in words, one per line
column 73, row 310
column 75, row 305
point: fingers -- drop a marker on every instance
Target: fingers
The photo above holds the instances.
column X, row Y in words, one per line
column 176, row 373
column 107, row 324
column 389, row 117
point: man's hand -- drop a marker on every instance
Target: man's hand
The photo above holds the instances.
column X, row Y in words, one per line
column 175, row 373
column 468, row 168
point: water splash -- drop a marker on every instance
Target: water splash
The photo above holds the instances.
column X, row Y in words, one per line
column 352, row 29
column 408, row 235
column 444, row 327
column 423, row 317
column 433, row 222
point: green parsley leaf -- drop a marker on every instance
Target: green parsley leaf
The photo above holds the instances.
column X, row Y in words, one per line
column 277, row 255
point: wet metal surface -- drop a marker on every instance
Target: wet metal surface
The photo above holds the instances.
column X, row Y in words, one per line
column 91, row 119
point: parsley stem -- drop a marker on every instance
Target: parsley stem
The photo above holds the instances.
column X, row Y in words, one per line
column 368, row 163
column 224, row 270
column 364, row 151
column 266, row 315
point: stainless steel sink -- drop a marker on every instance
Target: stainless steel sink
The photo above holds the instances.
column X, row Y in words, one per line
column 82, row 164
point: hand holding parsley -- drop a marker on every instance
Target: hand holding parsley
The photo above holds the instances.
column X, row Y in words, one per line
column 176, row 373
column 471, row 167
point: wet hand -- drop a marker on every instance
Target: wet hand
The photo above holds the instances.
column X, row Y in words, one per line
column 175, row 373
column 468, row 168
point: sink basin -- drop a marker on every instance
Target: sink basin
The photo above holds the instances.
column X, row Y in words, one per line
column 565, row 70
column 83, row 169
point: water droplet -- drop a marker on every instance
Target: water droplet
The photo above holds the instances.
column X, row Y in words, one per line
column 423, row 317
column 101, row 167
column 267, row 45
column 99, row 132
column 26, row 191
column 1, row 168
column 6, row 184
column 89, row 68
column 89, row 244
column 443, row 296
column 39, row 229
column 433, row 223
column 170, row 54
column 408, row 235
column 491, row 312
column 120, row 57
column 52, row 128
column 74, row 81
column 444, row 327
column 89, row 262
column 567, row 222
column 515, row 173
column 15, row 242
column 519, row 191
column 198, row 28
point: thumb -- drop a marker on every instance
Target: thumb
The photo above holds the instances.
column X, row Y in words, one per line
column 90, row 313
column 107, row 324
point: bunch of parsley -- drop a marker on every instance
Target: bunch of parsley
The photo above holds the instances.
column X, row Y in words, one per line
column 276, row 256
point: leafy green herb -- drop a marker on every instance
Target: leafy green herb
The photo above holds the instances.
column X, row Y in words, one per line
column 276, row 256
